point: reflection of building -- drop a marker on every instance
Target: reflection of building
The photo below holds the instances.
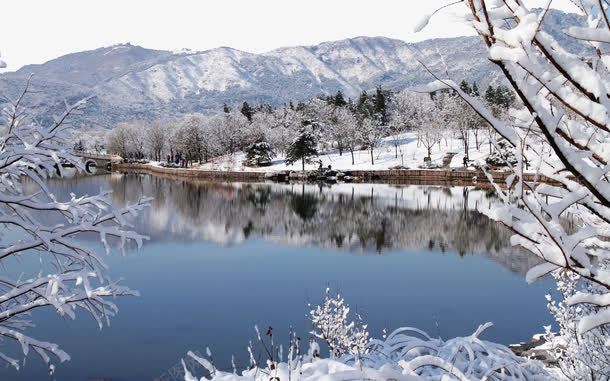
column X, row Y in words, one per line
column 364, row 218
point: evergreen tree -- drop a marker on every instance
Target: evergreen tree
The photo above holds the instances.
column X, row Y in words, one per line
column 490, row 95
column 302, row 148
column 475, row 90
column 247, row 111
column 226, row 108
column 501, row 97
column 265, row 107
column 259, row 154
column 380, row 107
column 362, row 107
column 339, row 100
column 465, row 87
column 79, row 146
column 504, row 97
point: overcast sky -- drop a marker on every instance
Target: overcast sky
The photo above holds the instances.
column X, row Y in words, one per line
column 35, row 31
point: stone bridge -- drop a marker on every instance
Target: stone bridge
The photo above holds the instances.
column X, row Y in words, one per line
column 99, row 163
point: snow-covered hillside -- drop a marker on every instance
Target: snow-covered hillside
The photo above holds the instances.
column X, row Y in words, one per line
column 450, row 154
column 131, row 82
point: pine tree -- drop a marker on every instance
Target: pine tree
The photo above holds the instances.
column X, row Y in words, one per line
column 247, row 111
column 339, row 100
column 79, row 146
column 505, row 97
column 302, row 148
column 380, row 109
column 226, row 108
column 259, row 154
column 490, row 95
column 465, row 87
column 362, row 108
column 475, row 90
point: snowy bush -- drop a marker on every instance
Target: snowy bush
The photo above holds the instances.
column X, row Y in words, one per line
column 502, row 156
column 331, row 324
column 259, row 154
column 405, row 354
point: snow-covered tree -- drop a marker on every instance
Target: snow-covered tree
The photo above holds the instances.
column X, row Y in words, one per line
column 302, row 149
column 116, row 141
column 45, row 227
column 370, row 133
column 402, row 116
column 156, row 139
column 259, row 154
column 563, row 131
column 285, row 128
column 344, row 130
column 462, row 119
column 228, row 129
column 136, row 139
column 258, row 129
column 195, row 139
column 128, row 140
column 430, row 124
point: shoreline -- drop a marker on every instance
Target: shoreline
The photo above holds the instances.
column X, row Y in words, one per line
column 446, row 177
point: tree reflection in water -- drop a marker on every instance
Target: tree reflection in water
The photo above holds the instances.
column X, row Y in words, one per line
column 359, row 218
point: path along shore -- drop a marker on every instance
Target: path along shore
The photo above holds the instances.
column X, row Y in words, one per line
column 392, row 176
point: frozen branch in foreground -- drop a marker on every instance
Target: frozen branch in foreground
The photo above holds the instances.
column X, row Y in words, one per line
column 562, row 134
column 38, row 227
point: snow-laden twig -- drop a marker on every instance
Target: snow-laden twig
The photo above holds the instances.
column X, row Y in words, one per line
column 37, row 223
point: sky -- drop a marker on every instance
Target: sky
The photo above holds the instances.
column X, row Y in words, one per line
column 35, row 31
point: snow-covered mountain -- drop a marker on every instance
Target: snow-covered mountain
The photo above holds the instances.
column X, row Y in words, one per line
column 132, row 82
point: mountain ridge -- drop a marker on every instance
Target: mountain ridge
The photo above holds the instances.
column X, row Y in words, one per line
column 132, row 82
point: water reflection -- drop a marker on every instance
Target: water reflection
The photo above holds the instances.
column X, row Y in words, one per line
column 359, row 218
column 224, row 257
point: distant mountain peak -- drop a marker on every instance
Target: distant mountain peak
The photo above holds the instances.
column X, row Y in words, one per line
column 133, row 82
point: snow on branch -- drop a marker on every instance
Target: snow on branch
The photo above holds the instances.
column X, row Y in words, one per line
column 562, row 129
column 39, row 224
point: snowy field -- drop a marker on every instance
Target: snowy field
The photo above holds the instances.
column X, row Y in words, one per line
column 410, row 154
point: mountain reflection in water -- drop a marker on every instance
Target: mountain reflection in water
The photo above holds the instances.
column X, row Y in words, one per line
column 359, row 218
column 226, row 256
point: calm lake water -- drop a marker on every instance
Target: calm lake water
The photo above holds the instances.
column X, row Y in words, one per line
column 226, row 256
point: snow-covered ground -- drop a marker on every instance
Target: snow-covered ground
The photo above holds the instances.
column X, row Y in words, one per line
column 407, row 354
column 410, row 154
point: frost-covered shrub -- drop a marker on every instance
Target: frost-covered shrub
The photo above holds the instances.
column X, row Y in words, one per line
column 581, row 356
column 331, row 324
column 502, row 156
column 259, row 154
column 407, row 354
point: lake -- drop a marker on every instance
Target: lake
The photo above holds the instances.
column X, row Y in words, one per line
column 223, row 257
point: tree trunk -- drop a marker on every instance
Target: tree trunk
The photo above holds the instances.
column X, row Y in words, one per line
column 303, row 163
column 352, row 152
column 372, row 158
